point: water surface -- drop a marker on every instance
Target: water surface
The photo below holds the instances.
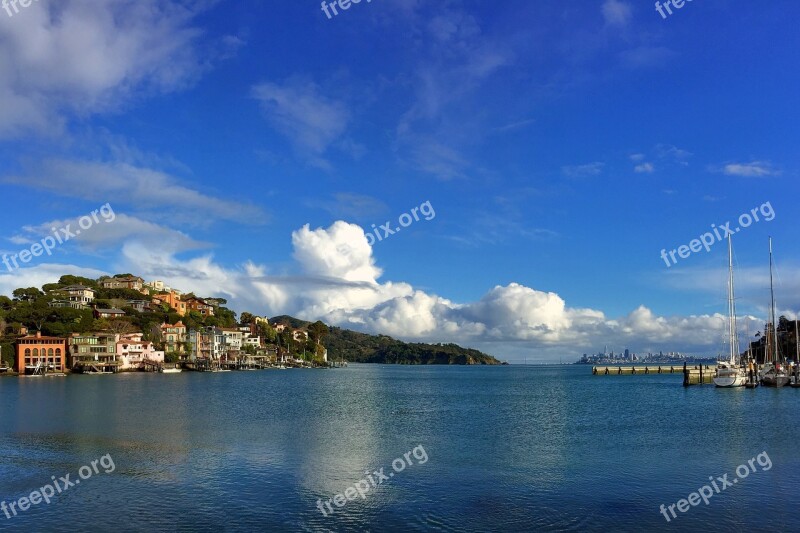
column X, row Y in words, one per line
column 508, row 449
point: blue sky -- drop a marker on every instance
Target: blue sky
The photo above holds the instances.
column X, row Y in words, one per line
column 561, row 144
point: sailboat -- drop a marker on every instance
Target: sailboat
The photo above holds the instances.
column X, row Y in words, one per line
column 773, row 375
column 731, row 373
column 752, row 371
column 796, row 381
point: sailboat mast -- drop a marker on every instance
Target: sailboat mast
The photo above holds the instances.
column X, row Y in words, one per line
column 772, row 306
column 733, row 341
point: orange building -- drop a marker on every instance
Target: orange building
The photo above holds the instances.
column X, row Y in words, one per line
column 33, row 350
column 173, row 300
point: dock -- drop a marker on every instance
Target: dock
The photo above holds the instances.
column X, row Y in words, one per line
column 692, row 374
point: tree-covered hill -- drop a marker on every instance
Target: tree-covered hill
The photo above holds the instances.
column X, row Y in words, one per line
column 363, row 348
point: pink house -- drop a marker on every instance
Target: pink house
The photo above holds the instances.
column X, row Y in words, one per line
column 132, row 352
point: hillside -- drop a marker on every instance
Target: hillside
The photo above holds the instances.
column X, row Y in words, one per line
column 364, row 348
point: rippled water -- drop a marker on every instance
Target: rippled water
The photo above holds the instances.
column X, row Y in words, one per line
column 509, row 449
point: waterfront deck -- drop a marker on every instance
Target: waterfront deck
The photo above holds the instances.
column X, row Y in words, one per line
column 692, row 374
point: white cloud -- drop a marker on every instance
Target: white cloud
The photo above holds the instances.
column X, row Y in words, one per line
column 109, row 231
column 646, row 56
column 38, row 275
column 616, row 13
column 299, row 110
column 583, row 171
column 350, row 205
column 83, row 57
column 143, row 188
column 644, row 168
column 755, row 169
column 671, row 151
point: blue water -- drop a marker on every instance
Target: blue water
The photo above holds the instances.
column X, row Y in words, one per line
column 507, row 448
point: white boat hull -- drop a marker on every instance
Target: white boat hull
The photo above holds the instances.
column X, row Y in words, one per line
column 727, row 377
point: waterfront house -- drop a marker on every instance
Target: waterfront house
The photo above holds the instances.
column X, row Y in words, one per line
column 174, row 336
column 133, row 352
column 250, row 340
column 233, row 342
column 124, row 282
column 93, row 351
column 207, row 343
column 36, row 350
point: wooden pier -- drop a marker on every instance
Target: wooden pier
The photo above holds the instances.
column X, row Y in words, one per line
column 692, row 374
column 149, row 365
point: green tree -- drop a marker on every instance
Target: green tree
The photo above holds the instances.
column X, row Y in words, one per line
column 49, row 287
column 8, row 354
column 267, row 332
column 27, row 295
column 317, row 331
column 77, row 280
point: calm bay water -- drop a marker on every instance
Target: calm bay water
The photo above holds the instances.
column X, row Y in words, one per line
column 509, row 449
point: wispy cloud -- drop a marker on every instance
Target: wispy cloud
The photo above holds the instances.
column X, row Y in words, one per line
column 647, row 56
column 644, row 168
column 143, row 189
column 110, row 234
column 350, row 205
column 300, row 111
column 665, row 151
column 583, row 171
column 514, row 126
column 617, row 13
column 754, row 169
